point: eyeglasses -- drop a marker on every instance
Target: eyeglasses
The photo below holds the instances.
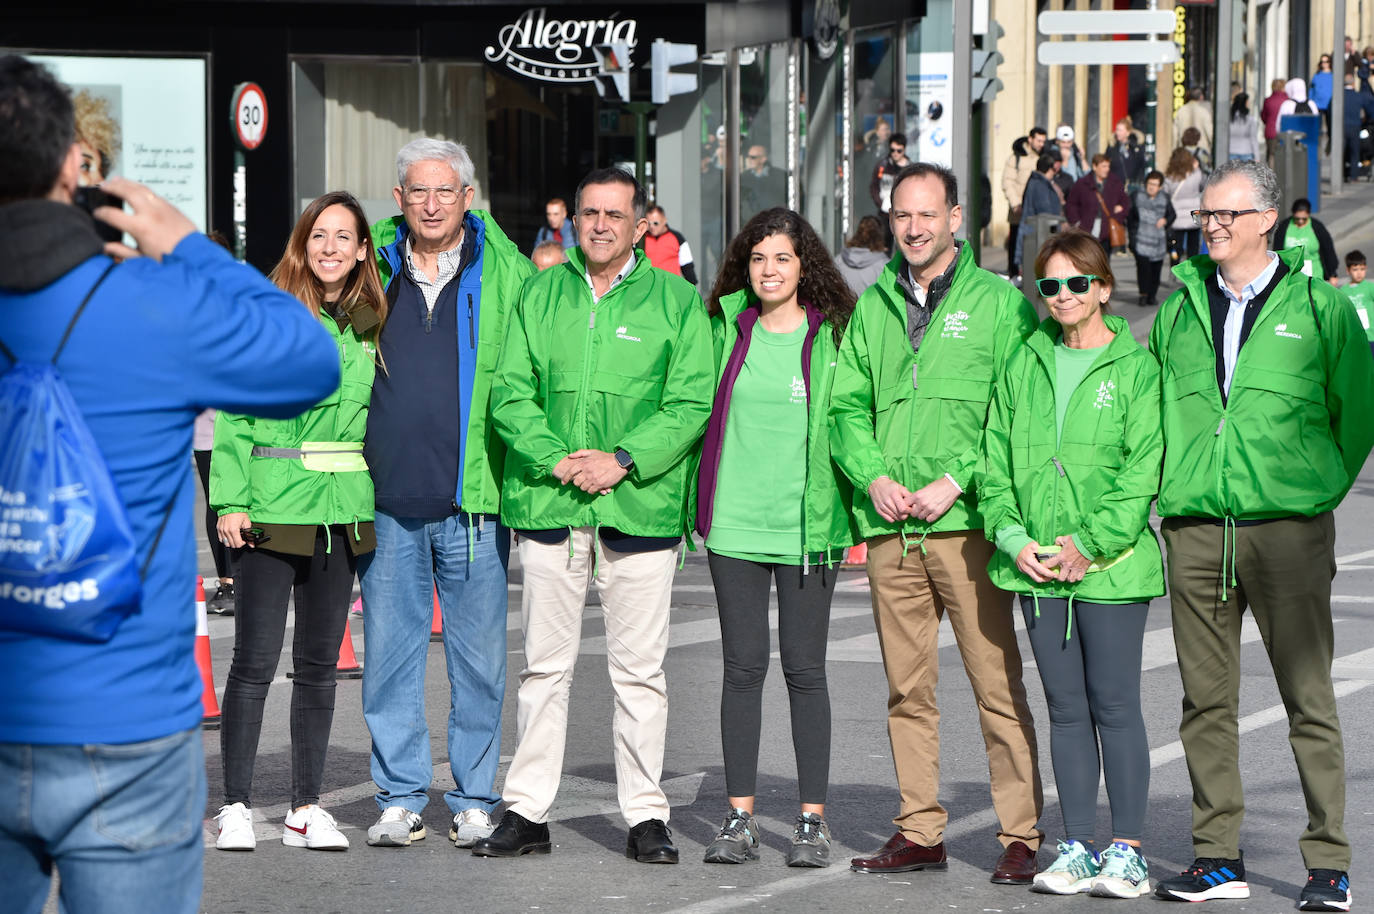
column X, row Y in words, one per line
column 1078, row 285
column 1223, row 217
column 418, row 193
column 655, row 223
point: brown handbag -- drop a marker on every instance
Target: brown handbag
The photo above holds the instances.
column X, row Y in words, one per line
column 1116, row 232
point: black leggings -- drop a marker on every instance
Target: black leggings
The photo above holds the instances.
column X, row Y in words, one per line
column 803, row 627
column 321, row 585
column 1092, row 687
column 1147, row 276
column 225, row 558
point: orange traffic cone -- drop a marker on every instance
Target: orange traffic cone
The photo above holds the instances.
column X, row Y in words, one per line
column 209, row 703
column 436, row 628
column 857, row 557
column 349, row 667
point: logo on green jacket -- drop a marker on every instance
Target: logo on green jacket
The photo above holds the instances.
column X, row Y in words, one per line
column 956, row 325
column 1282, row 330
column 1105, row 397
column 623, row 333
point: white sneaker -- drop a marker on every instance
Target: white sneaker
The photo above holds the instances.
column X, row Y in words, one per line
column 235, row 828
column 312, row 827
column 470, row 826
column 397, row 827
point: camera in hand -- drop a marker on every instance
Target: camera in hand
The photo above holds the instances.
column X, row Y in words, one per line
column 90, row 199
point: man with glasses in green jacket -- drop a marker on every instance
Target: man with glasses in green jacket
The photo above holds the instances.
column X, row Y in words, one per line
column 1266, row 382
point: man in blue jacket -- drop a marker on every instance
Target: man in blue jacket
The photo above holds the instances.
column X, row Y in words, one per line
column 105, row 738
column 436, row 463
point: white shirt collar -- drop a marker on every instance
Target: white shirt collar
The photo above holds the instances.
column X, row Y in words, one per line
column 621, row 274
column 1253, row 287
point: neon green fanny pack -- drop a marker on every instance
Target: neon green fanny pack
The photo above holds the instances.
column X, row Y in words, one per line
column 321, row 456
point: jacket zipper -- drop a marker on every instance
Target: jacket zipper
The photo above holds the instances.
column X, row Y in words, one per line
column 472, row 334
column 586, row 372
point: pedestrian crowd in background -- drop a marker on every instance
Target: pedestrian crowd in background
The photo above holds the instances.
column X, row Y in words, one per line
column 423, row 395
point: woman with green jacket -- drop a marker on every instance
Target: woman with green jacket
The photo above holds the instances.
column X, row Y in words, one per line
column 771, row 507
column 296, row 492
column 1072, row 454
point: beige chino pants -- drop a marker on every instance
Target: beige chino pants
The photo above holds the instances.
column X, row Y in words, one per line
column 911, row 594
column 635, row 591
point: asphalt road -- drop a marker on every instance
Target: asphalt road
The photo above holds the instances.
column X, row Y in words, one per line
column 587, row 870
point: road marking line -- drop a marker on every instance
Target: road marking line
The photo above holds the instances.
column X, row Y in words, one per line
column 983, row 818
column 1354, row 557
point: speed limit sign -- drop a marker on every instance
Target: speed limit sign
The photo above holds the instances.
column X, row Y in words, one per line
column 249, row 112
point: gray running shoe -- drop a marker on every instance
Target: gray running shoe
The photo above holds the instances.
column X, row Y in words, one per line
column 738, row 841
column 397, row 827
column 810, row 842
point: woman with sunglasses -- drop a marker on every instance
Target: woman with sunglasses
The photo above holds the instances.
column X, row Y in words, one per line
column 1073, row 451
column 297, row 493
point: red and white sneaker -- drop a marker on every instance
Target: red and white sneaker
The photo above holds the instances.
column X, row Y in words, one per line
column 312, row 827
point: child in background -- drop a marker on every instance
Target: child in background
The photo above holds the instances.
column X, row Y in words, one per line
column 1360, row 292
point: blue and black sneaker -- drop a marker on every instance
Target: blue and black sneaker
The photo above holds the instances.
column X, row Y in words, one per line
column 1326, row 890
column 1206, row 879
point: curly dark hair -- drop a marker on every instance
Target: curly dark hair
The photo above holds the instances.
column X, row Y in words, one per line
column 821, row 283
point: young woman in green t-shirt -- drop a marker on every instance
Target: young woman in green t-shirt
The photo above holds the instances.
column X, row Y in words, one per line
column 773, row 508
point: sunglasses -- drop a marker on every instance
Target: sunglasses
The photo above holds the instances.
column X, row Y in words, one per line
column 1078, row 285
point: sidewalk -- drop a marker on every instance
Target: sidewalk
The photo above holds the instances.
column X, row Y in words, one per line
column 1349, row 217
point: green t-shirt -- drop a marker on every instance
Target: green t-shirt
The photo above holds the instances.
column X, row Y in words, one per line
column 1070, row 367
column 1303, row 237
column 762, row 476
column 1361, row 295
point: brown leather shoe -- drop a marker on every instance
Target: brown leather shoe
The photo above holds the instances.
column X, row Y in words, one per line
column 1016, row 866
column 899, row 855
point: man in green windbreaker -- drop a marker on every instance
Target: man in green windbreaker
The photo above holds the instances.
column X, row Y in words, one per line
column 602, row 392
column 909, row 404
column 1266, row 385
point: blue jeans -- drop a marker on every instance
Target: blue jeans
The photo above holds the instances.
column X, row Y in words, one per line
column 467, row 564
column 121, row 823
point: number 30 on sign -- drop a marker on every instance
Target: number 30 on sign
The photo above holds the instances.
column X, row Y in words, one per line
column 249, row 113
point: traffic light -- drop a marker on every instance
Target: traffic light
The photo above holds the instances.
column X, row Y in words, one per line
column 985, row 84
column 664, row 57
column 615, row 63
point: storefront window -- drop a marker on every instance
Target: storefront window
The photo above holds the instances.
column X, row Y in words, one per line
column 929, row 90
column 713, row 171
column 874, row 115
column 822, row 145
column 763, row 90
column 352, row 117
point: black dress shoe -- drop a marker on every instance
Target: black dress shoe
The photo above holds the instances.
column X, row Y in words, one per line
column 650, row 842
column 513, row 836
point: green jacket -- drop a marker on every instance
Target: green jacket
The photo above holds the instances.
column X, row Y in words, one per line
column 1294, row 432
column 1096, row 483
column 280, row 490
column 917, row 416
column 826, row 520
column 632, row 371
column 504, row 271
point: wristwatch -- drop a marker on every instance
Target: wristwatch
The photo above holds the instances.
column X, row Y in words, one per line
column 623, row 458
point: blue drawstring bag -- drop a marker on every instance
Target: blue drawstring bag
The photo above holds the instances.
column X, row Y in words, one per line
column 68, row 566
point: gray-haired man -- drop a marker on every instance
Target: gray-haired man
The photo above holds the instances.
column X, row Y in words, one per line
column 451, row 275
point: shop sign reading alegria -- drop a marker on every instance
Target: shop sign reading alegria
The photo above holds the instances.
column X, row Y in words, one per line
column 558, row 50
